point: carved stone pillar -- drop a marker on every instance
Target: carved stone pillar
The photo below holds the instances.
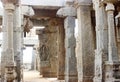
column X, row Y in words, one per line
column 117, row 21
column 8, row 67
column 112, row 65
column 101, row 53
column 85, row 42
column 43, row 51
column 48, row 49
column 70, row 43
column 52, row 29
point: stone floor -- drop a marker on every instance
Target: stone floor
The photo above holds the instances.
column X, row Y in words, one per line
column 33, row 76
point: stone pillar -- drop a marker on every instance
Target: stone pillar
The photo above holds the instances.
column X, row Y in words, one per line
column 8, row 67
column 43, row 52
column 52, row 44
column 48, row 42
column 101, row 53
column 85, row 42
column 61, row 50
column 117, row 21
column 18, row 40
column 113, row 56
column 112, row 65
column 69, row 14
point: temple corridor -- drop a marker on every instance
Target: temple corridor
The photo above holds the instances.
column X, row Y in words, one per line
column 66, row 40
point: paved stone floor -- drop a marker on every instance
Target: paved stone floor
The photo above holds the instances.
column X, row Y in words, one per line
column 33, row 76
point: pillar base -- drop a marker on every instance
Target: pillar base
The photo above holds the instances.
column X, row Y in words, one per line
column 112, row 71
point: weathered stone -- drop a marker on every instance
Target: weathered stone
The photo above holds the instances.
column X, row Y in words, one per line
column 8, row 66
column 61, row 51
column 67, row 11
column 85, row 45
column 17, row 40
column 70, row 42
column 48, row 48
column 101, row 53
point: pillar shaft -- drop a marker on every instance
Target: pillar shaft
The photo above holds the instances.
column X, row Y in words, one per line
column 44, row 53
column 101, row 39
column 52, row 44
column 85, row 45
column 17, row 39
column 113, row 56
column 61, row 51
column 70, row 44
column 48, row 37
column 8, row 67
column 111, row 66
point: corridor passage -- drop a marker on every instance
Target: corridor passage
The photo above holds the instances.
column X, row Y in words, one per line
column 33, row 76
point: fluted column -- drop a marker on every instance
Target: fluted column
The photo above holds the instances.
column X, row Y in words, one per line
column 101, row 52
column 69, row 14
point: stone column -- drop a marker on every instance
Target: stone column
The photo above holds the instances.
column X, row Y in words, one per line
column 113, row 56
column 70, row 43
column 61, row 51
column 112, row 65
column 101, row 53
column 117, row 21
column 48, row 49
column 85, row 42
column 17, row 39
column 8, row 68
column 43, row 52
column 52, row 44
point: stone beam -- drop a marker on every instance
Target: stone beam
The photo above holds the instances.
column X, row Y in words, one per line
column 41, row 22
column 43, row 13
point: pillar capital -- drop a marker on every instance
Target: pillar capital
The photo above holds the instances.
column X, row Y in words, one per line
column 9, row 6
column 67, row 11
column 110, row 7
